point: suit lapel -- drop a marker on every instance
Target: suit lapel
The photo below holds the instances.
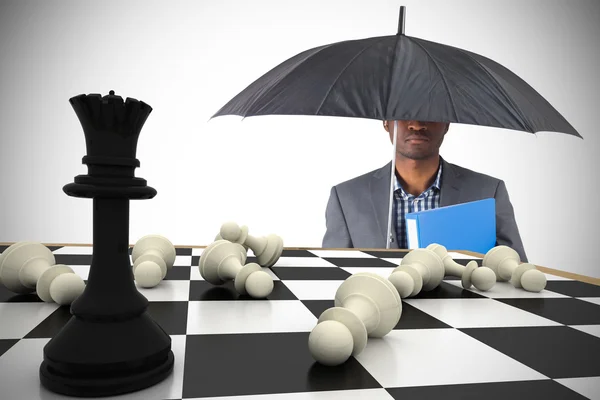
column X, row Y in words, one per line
column 380, row 200
column 450, row 185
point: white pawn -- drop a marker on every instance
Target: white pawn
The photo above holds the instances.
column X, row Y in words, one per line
column 152, row 256
column 420, row 269
column 483, row 278
column 223, row 260
column 506, row 264
column 267, row 249
column 244, row 228
column 366, row 305
column 27, row 267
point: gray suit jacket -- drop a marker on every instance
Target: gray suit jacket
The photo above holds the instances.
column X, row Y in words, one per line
column 357, row 210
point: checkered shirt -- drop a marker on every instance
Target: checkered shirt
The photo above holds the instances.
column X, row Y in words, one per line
column 405, row 203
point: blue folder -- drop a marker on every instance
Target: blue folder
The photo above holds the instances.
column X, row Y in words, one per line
column 468, row 226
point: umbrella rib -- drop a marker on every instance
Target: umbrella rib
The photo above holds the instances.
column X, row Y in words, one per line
column 443, row 78
column 500, row 88
column 342, row 71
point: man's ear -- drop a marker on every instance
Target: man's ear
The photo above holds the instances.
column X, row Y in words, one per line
column 386, row 126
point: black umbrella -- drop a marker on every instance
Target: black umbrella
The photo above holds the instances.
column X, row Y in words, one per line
column 399, row 78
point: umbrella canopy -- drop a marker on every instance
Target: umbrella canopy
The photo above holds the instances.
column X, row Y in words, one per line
column 399, row 78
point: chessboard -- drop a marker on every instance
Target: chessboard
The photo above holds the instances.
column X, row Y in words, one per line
column 450, row 343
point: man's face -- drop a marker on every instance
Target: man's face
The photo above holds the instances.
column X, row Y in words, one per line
column 417, row 140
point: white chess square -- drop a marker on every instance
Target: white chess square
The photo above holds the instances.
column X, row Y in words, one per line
column 182, row 261
column 460, row 256
column 505, row 290
column 18, row 319
column 75, row 250
column 313, row 290
column 169, row 290
column 23, row 360
column 341, row 254
column 197, row 251
column 588, row 387
column 303, row 262
column 478, row 313
column 224, row 317
column 423, row 357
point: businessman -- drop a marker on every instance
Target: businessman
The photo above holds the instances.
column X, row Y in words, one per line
column 357, row 210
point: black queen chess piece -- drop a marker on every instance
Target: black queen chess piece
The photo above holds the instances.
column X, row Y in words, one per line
column 110, row 345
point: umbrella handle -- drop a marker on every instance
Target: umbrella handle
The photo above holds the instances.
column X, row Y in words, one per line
column 389, row 237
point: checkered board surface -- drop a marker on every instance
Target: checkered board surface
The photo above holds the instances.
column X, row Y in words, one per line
column 450, row 343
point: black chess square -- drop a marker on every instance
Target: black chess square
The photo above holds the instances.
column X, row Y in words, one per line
column 177, row 273
column 543, row 389
column 316, row 307
column 566, row 311
column 413, row 318
column 573, row 288
column 310, row 273
column 204, row 291
column 183, row 251
column 172, row 316
column 555, row 351
column 265, row 363
column 6, row 344
column 297, row 253
column 448, row 291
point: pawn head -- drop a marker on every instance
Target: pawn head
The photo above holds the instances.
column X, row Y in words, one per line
column 231, row 231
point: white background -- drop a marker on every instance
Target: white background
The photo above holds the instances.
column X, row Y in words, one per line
column 188, row 58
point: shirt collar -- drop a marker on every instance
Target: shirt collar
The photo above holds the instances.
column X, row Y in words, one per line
column 436, row 184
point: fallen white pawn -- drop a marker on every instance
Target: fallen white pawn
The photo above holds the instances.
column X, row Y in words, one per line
column 27, row 267
column 267, row 249
column 152, row 256
column 366, row 305
column 420, row 269
column 223, row 260
column 483, row 278
column 505, row 262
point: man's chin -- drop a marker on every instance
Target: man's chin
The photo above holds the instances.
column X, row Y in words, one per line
column 418, row 156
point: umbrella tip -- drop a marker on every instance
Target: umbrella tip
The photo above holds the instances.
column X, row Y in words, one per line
column 401, row 20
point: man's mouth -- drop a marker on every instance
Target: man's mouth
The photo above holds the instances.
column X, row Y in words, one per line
column 417, row 139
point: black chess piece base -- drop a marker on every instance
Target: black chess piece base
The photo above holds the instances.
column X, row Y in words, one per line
column 134, row 366
column 111, row 345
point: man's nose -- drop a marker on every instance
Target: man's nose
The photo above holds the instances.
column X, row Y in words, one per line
column 417, row 126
